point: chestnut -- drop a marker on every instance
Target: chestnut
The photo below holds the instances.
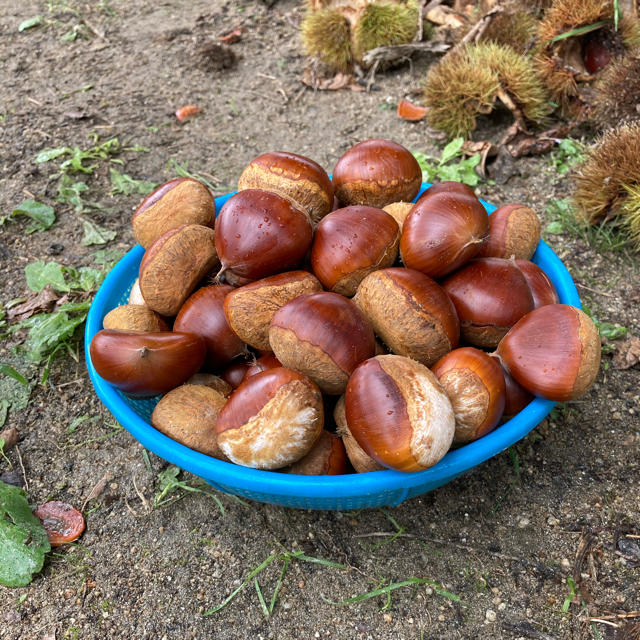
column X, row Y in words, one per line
column 134, row 317
column 188, row 415
column 553, row 352
column 234, row 374
column 327, row 457
column 350, row 243
column 542, row 289
column 298, row 179
column 410, row 312
column 490, row 295
column 174, row 264
column 203, row 314
column 323, row 335
column 264, row 362
column 271, row 420
column 177, row 202
column 135, row 295
column 146, row 364
column 399, row 413
column 376, row 173
column 475, row 385
column 360, row 461
column 399, row 211
column 516, row 396
column 258, row 234
column 250, row 308
column 514, row 231
column 445, row 229
column 213, row 382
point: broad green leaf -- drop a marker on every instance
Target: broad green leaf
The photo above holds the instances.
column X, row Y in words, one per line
column 36, row 21
column 23, row 539
column 87, row 279
column 122, row 183
column 39, row 274
column 451, row 150
column 95, row 234
column 51, row 154
column 49, row 330
column 107, row 257
column 611, row 331
column 43, row 215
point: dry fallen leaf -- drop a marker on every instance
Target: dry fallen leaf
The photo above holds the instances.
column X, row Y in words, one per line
column 10, row 437
column 39, row 303
column 485, row 148
column 627, row 354
column 446, row 16
column 337, row 82
column 409, row 111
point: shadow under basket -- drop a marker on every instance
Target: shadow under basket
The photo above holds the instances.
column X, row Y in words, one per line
column 342, row 492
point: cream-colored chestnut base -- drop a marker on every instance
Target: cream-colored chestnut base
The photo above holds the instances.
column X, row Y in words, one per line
column 429, row 409
column 470, row 400
column 281, row 433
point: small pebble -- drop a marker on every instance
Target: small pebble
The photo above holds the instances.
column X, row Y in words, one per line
column 565, row 564
column 523, row 522
column 490, row 616
column 387, row 617
column 552, row 522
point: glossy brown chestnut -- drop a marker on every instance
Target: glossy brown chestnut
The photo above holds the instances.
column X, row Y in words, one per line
column 359, row 459
column 541, row 287
column 146, row 364
column 188, row 415
column 326, row 458
column 516, row 396
column 376, row 173
column 553, row 352
column 177, row 202
column 234, row 374
column 514, row 231
column 399, row 413
column 249, row 309
column 259, row 233
column 203, row 314
column 174, row 264
column 410, row 312
column 445, row 229
column 490, row 295
column 323, row 335
column 475, row 385
column 263, row 363
column 134, row 317
column 298, row 179
column 271, row 420
column 596, row 53
column 350, row 243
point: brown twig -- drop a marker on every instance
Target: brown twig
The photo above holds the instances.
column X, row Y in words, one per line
column 476, row 32
column 583, row 548
column 24, row 473
column 600, row 293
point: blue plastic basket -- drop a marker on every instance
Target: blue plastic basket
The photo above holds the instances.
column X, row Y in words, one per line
column 344, row 492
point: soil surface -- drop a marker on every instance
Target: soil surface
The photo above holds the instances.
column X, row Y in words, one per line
column 531, row 544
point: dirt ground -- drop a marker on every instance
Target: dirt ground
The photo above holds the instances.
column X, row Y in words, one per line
column 532, row 544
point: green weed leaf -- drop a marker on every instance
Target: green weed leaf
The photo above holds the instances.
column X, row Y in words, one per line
column 8, row 370
column 39, row 274
column 124, row 184
column 43, row 215
column 95, row 234
column 51, row 154
column 36, row 21
column 452, row 150
column 23, row 539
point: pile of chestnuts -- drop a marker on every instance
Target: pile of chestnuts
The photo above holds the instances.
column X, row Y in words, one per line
column 415, row 326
